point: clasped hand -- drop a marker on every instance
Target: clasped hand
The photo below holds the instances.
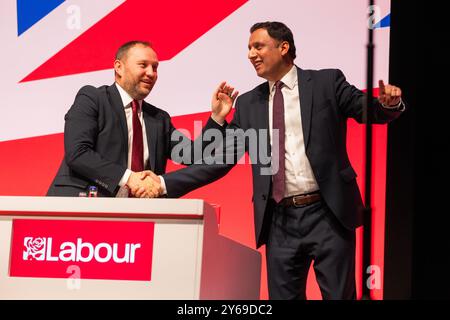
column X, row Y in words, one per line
column 145, row 184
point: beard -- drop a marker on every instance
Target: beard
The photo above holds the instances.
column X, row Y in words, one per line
column 136, row 90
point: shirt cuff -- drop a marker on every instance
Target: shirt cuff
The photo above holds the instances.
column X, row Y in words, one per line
column 125, row 177
column 398, row 107
column 220, row 124
column 163, row 185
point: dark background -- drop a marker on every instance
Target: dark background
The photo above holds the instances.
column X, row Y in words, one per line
column 417, row 246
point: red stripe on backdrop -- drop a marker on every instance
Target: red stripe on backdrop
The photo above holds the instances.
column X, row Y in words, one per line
column 170, row 26
column 29, row 165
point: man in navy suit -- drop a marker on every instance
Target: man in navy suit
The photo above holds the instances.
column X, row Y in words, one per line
column 309, row 205
column 111, row 134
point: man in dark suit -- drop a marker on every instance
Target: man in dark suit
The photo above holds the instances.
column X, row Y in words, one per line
column 111, row 134
column 306, row 199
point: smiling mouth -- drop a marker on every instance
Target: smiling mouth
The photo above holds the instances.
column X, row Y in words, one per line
column 257, row 64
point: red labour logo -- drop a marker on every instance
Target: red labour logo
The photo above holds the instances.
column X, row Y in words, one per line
column 121, row 250
column 34, row 248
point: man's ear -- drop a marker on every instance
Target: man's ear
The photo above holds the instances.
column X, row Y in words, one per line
column 284, row 48
column 118, row 67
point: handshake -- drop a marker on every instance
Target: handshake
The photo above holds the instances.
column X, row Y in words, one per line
column 144, row 184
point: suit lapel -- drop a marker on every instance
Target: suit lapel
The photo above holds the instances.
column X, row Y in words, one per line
column 262, row 107
column 305, row 88
column 151, row 129
column 262, row 112
column 117, row 105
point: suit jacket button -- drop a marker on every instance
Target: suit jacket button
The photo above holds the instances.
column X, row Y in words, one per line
column 264, row 197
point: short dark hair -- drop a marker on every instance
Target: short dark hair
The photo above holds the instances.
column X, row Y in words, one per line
column 278, row 31
column 123, row 50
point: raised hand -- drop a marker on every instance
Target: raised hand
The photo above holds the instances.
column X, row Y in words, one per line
column 222, row 101
column 389, row 95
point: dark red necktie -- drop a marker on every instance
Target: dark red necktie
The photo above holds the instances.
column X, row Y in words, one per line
column 137, row 151
column 278, row 178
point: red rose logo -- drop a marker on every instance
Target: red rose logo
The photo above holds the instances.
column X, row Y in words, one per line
column 34, row 248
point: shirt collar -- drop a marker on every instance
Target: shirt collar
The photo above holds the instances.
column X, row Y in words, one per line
column 126, row 99
column 290, row 79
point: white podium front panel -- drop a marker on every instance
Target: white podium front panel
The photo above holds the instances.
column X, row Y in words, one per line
column 183, row 253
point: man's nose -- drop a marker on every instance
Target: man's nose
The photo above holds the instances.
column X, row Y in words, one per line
column 251, row 54
column 150, row 72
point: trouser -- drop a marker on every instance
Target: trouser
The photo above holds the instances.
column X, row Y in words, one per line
column 299, row 235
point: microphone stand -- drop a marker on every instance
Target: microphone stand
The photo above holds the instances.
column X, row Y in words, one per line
column 367, row 227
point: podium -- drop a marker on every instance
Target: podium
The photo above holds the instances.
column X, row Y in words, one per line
column 120, row 248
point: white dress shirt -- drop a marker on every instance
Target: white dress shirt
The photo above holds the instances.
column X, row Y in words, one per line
column 299, row 175
column 126, row 101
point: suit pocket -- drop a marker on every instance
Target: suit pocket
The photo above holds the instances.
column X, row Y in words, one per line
column 70, row 181
column 348, row 174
